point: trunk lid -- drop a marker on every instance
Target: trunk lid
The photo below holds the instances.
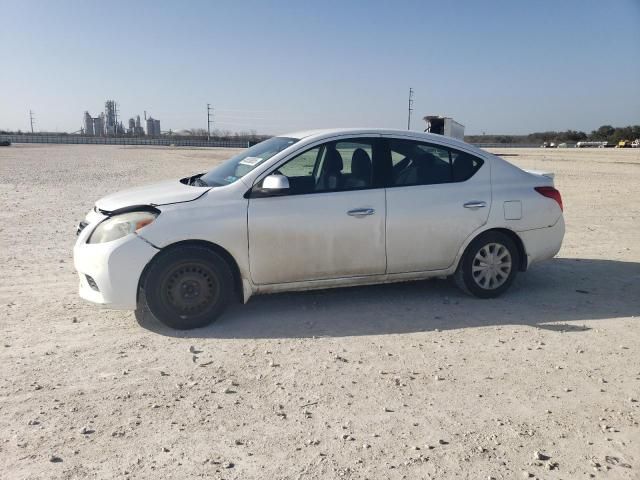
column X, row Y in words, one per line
column 542, row 173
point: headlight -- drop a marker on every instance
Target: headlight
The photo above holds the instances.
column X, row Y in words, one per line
column 121, row 225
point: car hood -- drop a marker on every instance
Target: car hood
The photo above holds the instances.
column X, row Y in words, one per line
column 173, row 191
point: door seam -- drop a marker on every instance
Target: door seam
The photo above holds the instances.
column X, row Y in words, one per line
column 386, row 258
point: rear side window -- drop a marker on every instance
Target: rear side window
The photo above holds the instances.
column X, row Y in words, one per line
column 417, row 163
column 464, row 165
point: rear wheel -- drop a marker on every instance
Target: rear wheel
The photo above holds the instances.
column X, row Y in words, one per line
column 188, row 287
column 488, row 266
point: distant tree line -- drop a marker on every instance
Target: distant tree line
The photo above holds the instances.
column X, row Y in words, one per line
column 604, row 133
column 221, row 135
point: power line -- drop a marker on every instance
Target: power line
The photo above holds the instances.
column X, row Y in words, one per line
column 410, row 108
column 209, row 121
column 31, row 119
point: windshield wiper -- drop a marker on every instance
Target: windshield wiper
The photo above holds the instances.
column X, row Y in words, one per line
column 198, row 182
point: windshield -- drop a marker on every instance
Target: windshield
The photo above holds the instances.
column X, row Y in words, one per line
column 238, row 166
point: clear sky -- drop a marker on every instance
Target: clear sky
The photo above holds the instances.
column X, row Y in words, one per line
column 495, row 66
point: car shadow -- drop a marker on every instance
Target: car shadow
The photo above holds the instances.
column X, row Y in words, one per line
column 550, row 294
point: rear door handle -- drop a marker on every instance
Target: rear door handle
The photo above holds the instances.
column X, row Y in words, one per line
column 475, row 204
column 361, row 212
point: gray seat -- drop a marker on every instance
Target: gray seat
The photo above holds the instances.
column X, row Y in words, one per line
column 331, row 177
column 360, row 170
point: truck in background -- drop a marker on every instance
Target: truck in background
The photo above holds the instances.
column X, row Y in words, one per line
column 446, row 126
column 584, row 144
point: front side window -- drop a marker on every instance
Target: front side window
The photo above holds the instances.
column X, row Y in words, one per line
column 416, row 163
column 333, row 166
column 238, row 166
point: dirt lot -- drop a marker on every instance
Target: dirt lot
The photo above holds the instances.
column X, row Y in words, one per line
column 402, row 381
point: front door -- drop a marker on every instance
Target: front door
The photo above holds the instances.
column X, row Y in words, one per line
column 331, row 223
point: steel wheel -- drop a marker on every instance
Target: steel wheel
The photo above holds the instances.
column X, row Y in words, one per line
column 187, row 286
column 190, row 288
column 491, row 266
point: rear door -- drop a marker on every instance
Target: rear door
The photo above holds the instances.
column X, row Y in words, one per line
column 436, row 198
column 331, row 224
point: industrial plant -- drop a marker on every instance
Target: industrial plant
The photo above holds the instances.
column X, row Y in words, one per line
column 153, row 127
column 107, row 125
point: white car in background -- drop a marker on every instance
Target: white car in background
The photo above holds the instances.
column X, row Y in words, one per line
column 318, row 209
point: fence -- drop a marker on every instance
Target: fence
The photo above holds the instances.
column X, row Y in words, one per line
column 174, row 141
column 83, row 140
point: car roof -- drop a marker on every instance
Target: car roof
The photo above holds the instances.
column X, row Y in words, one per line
column 318, row 134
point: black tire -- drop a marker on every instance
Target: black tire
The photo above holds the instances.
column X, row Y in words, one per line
column 188, row 287
column 469, row 276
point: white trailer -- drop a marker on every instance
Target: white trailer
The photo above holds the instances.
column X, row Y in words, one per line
column 591, row 144
column 446, row 126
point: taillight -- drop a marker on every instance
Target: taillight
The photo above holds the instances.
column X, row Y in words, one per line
column 552, row 193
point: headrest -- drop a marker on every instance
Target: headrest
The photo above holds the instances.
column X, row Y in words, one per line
column 333, row 161
column 361, row 164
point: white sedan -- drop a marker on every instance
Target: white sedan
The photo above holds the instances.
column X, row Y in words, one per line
column 318, row 209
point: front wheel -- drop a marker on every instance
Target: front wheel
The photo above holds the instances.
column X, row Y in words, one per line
column 188, row 287
column 489, row 265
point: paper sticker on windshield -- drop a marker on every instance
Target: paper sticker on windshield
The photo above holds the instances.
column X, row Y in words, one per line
column 251, row 161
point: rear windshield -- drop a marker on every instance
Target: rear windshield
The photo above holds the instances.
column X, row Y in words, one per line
column 238, row 166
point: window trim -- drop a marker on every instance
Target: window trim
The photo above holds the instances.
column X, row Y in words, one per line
column 377, row 181
column 389, row 180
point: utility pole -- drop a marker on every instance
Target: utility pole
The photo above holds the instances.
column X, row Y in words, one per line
column 31, row 120
column 410, row 108
column 209, row 121
column 115, row 115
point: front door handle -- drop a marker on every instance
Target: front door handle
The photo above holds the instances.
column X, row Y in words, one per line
column 475, row 204
column 361, row 212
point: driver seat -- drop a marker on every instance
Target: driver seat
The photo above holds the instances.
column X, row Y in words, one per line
column 331, row 177
column 360, row 170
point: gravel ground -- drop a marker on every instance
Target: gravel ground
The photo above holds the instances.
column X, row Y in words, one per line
column 408, row 381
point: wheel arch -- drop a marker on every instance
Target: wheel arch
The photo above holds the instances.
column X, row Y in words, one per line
column 222, row 252
column 505, row 231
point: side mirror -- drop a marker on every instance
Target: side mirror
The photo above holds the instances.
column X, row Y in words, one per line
column 274, row 185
